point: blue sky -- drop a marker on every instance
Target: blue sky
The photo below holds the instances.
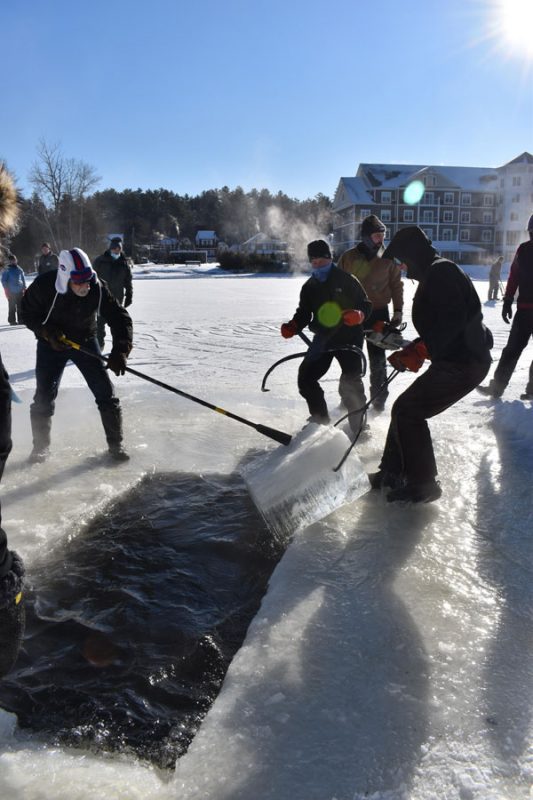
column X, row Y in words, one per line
column 287, row 94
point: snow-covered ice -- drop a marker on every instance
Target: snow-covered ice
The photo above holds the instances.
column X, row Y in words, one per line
column 392, row 656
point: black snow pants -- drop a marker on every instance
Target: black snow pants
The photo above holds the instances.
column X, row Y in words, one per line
column 408, row 449
column 521, row 331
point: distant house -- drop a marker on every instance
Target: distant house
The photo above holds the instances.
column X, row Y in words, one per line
column 208, row 241
column 470, row 213
column 264, row 245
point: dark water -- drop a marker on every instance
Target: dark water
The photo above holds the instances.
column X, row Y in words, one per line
column 131, row 626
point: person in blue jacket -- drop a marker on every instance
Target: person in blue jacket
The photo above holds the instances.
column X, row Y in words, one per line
column 14, row 284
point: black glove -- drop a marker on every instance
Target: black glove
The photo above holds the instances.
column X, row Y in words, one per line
column 11, row 613
column 52, row 334
column 507, row 311
column 127, row 301
column 117, row 362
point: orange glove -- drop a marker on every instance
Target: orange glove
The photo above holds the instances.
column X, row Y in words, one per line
column 352, row 316
column 411, row 357
column 289, row 329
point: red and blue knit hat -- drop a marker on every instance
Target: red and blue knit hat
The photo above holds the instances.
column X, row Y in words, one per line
column 74, row 265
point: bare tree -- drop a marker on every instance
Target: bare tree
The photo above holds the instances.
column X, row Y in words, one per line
column 62, row 185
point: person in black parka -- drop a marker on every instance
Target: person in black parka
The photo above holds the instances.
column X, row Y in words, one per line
column 65, row 303
column 447, row 315
column 334, row 305
column 113, row 267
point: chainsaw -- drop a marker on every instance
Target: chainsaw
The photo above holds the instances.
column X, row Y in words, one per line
column 387, row 336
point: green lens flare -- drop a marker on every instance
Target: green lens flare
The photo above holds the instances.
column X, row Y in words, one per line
column 413, row 193
column 329, row 314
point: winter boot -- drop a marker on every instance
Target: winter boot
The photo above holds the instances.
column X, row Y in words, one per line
column 385, row 480
column 492, row 390
column 112, row 422
column 12, row 616
column 41, row 427
column 416, row 493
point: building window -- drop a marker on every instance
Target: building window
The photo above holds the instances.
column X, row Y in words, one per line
column 502, row 182
column 447, row 234
column 512, row 237
column 427, row 216
column 365, row 212
column 486, row 236
column 487, row 218
column 464, row 236
column 408, row 215
column 466, row 199
column 488, row 200
column 428, row 199
column 429, row 180
column 385, row 197
column 517, row 180
column 385, row 215
column 465, row 217
column 447, row 216
column 515, row 198
column 514, row 216
column 448, row 198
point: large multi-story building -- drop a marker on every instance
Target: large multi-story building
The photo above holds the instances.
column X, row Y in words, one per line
column 471, row 214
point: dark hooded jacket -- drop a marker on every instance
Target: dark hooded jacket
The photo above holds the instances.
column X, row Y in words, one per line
column 340, row 288
column 446, row 308
column 117, row 274
column 75, row 316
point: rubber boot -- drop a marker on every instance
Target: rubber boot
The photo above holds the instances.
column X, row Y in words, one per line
column 40, row 427
column 112, row 422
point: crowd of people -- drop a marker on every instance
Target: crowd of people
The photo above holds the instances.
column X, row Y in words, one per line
column 71, row 301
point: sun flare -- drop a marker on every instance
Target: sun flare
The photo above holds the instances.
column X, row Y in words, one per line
column 512, row 27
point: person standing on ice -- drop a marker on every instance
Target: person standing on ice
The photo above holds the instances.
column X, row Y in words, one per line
column 521, row 280
column 381, row 279
column 334, row 305
column 112, row 267
column 14, row 284
column 446, row 313
column 494, row 278
column 11, row 565
column 66, row 302
column 47, row 260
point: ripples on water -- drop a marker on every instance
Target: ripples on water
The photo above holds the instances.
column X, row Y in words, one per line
column 131, row 626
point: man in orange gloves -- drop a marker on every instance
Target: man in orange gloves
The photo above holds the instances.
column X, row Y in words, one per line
column 334, row 305
column 447, row 314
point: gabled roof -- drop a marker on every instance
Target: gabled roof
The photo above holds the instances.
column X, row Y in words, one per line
column 262, row 238
column 525, row 158
column 391, row 176
column 352, row 191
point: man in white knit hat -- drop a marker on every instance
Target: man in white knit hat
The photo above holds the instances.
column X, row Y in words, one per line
column 64, row 303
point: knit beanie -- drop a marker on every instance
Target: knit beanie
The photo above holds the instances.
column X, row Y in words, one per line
column 318, row 249
column 74, row 265
column 370, row 225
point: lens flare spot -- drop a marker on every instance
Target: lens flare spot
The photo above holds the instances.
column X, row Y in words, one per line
column 413, row 192
column 329, row 314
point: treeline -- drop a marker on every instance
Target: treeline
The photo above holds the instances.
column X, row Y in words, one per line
column 65, row 210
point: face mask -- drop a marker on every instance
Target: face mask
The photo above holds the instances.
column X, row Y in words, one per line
column 114, row 256
column 321, row 273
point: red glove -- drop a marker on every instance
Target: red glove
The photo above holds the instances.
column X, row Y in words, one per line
column 352, row 316
column 411, row 357
column 289, row 329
